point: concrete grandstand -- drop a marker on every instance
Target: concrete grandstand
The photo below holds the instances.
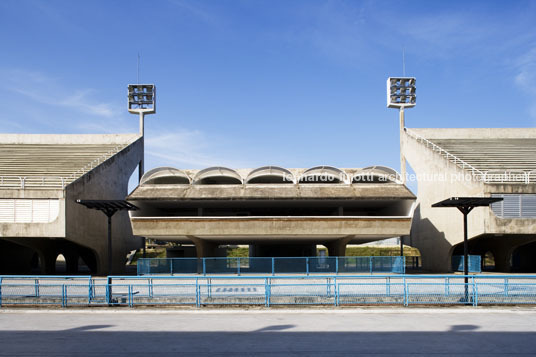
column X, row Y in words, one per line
column 276, row 211
column 482, row 163
column 41, row 176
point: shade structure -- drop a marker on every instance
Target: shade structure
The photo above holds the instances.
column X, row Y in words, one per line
column 108, row 207
column 466, row 205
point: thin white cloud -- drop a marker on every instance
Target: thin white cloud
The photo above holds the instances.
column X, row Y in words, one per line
column 197, row 10
column 185, row 149
column 46, row 90
column 526, row 77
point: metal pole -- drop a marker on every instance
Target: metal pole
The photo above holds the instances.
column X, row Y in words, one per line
column 465, row 255
column 401, row 246
column 144, row 247
column 142, row 132
column 402, row 157
column 109, row 244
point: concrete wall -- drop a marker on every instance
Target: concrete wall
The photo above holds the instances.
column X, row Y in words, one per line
column 78, row 231
column 89, row 227
column 435, row 231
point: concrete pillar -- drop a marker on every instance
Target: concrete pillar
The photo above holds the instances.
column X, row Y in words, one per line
column 337, row 248
column 71, row 262
column 502, row 259
column 203, row 247
column 48, row 261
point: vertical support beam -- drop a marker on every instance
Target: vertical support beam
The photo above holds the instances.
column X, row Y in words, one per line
column 109, row 243
column 401, row 246
column 465, row 255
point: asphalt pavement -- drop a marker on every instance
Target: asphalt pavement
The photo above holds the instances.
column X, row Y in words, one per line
column 460, row 331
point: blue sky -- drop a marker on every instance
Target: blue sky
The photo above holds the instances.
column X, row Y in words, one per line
column 252, row 83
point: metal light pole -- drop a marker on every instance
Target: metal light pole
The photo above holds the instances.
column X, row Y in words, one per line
column 401, row 94
column 141, row 101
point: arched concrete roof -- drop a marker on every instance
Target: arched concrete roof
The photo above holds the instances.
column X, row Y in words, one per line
column 323, row 174
column 165, row 176
column 270, row 174
column 376, row 174
column 217, row 175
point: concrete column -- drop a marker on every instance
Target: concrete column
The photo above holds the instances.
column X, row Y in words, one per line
column 48, row 261
column 204, row 248
column 71, row 262
column 337, row 248
column 502, row 259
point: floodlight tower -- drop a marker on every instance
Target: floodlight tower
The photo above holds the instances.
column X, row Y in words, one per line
column 141, row 101
column 401, row 94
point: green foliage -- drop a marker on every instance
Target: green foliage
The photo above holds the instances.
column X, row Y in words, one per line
column 350, row 251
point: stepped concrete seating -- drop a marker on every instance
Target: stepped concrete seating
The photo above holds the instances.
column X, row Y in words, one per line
column 54, row 161
column 492, row 154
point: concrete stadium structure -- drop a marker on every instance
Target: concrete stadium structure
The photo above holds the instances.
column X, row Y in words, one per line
column 276, row 211
column 41, row 177
column 475, row 163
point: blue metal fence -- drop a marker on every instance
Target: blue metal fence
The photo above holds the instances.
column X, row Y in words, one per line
column 268, row 290
column 475, row 263
column 273, row 266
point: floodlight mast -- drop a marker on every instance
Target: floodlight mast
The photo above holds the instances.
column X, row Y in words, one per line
column 141, row 101
column 401, row 94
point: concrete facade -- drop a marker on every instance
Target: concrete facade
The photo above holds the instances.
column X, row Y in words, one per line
column 460, row 163
column 278, row 212
column 85, row 173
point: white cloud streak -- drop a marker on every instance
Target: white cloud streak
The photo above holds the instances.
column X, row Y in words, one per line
column 46, row 90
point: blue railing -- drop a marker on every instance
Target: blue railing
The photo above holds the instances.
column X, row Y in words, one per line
column 273, row 266
column 268, row 290
column 475, row 263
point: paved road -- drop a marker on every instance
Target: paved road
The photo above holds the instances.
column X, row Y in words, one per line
column 258, row 332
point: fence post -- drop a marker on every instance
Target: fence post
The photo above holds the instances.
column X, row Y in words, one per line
column 36, row 287
column 273, row 266
column 336, row 290
column 0, row 291
column 269, row 284
column 388, row 286
column 505, row 286
column 63, row 295
column 266, row 292
column 109, row 290
column 171, row 266
column 406, row 302
column 150, row 287
column 307, row 265
column 337, row 265
column 238, row 266
column 197, row 292
column 90, row 290
column 204, row 267
column 475, row 292
column 370, row 265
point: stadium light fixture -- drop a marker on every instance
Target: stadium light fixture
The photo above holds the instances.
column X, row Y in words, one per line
column 141, row 101
column 401, row 94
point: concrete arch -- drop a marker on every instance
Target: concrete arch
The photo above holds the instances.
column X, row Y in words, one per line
column 217, row 175
column 376, row 174
column 323, row 174
column 270, row 174
column 165, row 176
